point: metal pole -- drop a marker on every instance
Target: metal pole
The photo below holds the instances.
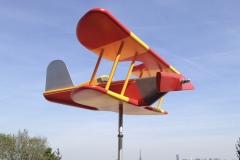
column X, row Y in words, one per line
column 120, row 130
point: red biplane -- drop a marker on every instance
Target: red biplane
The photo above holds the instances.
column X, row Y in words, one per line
column 100, row 32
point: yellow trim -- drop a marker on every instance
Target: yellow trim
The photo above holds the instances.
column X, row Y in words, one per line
column 58, row 90
column 114, row 66
column 131, row 46
column 158, row 110
column 118, row 96
column 129, row 73
column 174, row 70
column 160, row 102
column 96, row 67
column 162, row 110
column 139, row 40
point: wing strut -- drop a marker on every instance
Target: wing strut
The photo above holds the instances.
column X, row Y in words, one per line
column 96, row 67
column 114, row 65
column 160, row 102
column 129, row 73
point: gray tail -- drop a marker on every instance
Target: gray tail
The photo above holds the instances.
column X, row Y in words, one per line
column 58, row 76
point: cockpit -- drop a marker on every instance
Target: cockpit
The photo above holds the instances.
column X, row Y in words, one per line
column 103, row 78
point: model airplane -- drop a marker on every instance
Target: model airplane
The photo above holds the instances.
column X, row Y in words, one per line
column 100, row 32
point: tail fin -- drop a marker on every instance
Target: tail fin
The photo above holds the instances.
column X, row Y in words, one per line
column 58, row 76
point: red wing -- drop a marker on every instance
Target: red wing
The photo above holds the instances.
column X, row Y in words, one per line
column 98, row 29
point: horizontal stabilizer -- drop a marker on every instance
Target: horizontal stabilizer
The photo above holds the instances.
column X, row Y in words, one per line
column 58, row 76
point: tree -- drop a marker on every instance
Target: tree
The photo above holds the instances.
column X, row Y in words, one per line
column 23, row 147
column 49, row 155
column 238, row 148
column 58, row 155
column 7, row 147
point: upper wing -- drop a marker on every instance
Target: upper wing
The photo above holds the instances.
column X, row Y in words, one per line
column 98, row 29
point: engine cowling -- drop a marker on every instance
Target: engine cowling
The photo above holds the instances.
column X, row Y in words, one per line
column 167, row 82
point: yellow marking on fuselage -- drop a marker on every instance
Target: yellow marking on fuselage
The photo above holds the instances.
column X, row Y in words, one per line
column 58, row 90
column 54, row 91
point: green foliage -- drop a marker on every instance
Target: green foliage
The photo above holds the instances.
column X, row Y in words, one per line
column 23, row 147
column 238, row 148
column 58, row 155
column 49, row 155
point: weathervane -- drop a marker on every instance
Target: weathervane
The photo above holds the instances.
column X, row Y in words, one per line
column 101, row 33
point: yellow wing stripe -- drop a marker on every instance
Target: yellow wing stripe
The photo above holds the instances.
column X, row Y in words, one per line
column 158, row 110
column 139, row 41
column 132, row 44
column 174, row 70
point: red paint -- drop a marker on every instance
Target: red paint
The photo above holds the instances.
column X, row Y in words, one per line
column 131, row 91
column 98, row 27
column 65, row 98
column 151, row 64
column 171, row 82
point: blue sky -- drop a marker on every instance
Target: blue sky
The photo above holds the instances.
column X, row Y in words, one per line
column 199, row 38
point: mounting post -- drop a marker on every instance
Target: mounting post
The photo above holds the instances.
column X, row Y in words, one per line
column 120, row 131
